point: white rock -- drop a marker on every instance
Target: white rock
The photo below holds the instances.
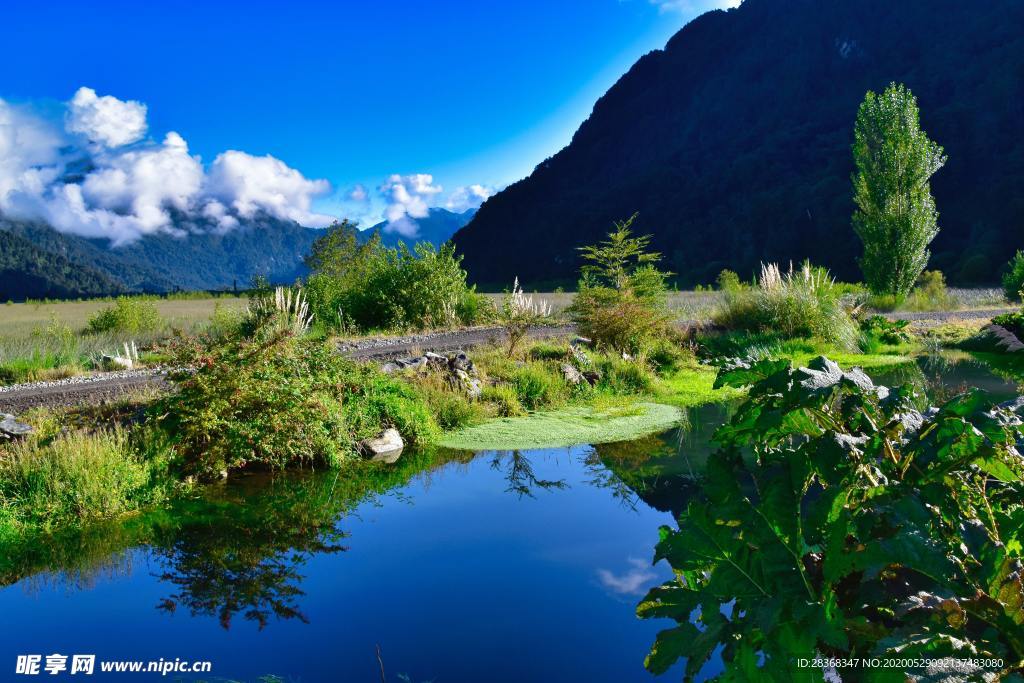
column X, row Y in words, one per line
column 384, row 448
column 11, row 428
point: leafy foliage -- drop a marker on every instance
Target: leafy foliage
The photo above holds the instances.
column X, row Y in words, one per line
column 369, row 286
column 620, row 302
column 837, row 520
column 275, row 400
column 127, row 314
column 1013, row 279
column 895, row 217
column 886, row 331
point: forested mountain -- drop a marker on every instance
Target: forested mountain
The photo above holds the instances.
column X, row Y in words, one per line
column 437, row 228
column 203, row 259
column 733, row 143
column 28, row 271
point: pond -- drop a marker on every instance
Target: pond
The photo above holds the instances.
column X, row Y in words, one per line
column 494, row 566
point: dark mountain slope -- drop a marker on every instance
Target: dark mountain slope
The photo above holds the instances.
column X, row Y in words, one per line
column 733, row 143
column 26, row 271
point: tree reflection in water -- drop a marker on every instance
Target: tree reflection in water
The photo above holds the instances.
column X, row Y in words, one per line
column 520, row 475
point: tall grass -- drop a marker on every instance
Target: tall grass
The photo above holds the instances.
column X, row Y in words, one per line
column 75, row 478
column 805, row 303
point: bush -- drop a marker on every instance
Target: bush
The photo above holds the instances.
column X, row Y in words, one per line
column 369, row 286
column 504, row 399
column 1013, row 279
column 75, row 478
column 801, row 304
column 886, row 331
column 536, row 388
column 624, row 376
column 128, row 315
column 621, row 300
column 275, row 401
column 518, row 313
column 931, row 293
column 728, row 281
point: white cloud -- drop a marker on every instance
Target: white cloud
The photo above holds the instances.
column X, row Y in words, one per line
column 468, row 197
column 693, row 7
column 250, row 184
column 632, row 582
column 30, row 156
column 144, row 184
column 103, row 188
column 359, row 193
column 408, row 197
column 105, row 120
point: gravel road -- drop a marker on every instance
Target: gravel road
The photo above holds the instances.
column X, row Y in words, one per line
column 107, row 386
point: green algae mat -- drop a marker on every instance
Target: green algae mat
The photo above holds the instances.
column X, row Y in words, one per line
column 566, row 427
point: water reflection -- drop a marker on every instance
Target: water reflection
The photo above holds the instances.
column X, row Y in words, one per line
column 519, row 473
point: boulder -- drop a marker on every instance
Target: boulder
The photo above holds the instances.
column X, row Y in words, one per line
column 384, row 448
column 390, row 368
column 580, row 341
column 11, row 428
column 436, row 360
column 592, row 376
column 460, row 361
column 571, row 374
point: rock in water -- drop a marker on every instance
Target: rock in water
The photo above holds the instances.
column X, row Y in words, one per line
column 11, row 428
column 384, row 448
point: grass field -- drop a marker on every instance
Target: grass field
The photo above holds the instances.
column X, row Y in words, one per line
column 21, row 320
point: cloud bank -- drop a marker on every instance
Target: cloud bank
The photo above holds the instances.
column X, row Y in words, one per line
column 97, row 175
column 691, row 7
column 409, row 197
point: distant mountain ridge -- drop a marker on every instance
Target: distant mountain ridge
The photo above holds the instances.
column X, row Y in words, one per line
column 38, row 261
column 204, row 259
column 733, row 144
column 437, row 227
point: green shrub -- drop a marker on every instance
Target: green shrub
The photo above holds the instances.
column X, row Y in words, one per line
column 621, row 299
column 537, row 388
column 276, row 401
column 1013, row 279
column 624, row 376
column 452, row 411
column 886, row 331
column 729, row 281
column 77, row 477
column 504, row 399
column 370, row 286
column 931, row 293
column 128, row 315
column 800, row 304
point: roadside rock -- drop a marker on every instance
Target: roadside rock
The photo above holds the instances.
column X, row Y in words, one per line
column 571, row 374
column 385, row 448
column 11, row 428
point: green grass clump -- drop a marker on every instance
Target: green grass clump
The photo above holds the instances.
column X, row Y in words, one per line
column 538, row 387
column 504, row 400
column 799, row 304
column 77, row 478
column 127, row 314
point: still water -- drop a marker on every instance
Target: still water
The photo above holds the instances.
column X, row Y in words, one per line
column 459, row 566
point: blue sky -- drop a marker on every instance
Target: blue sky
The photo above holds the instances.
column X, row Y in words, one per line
column 350, row 92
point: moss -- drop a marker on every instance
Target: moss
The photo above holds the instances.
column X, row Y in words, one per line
column 567, row 427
